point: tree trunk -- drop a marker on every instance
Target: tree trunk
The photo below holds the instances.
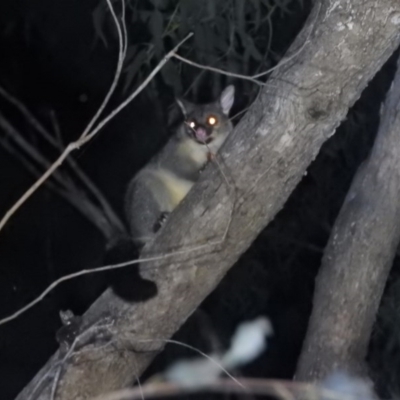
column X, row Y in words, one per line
column 264, row 159
column 358, row 257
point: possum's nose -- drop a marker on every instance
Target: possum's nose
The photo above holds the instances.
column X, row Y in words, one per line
column 201, row 134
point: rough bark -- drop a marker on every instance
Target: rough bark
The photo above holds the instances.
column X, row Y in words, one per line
column 265, row 157
column 358, row 257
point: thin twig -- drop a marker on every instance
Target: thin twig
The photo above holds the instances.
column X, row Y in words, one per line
column 54, row 386
column 28, row 116
column 57, row 129
column 28, row 164
column 188, row 346
column 59, row 365
column 62, row 185
column 106, row 268
column 18, row 139
column 112, row 216
column 87, row 137
column 121, row 56
column 295, row 54
column 254, row 77
column 74, row 145
column 218, row 70
column 138, row 380
column 124, row 31
column 138, row 90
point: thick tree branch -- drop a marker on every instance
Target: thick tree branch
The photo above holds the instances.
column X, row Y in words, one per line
column 265, row 157
column 358, row 257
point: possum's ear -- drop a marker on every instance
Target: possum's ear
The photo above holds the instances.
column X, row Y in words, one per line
column 226, row 99
column 175, row 112
column 185, row 106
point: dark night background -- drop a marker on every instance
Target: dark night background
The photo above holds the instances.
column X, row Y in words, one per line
column 54, row 59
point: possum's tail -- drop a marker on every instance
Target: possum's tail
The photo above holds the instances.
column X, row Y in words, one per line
column 126, row 282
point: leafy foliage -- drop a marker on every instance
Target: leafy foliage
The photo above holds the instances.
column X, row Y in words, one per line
column 233, row 35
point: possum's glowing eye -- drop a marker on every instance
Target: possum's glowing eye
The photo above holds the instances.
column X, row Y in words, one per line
column 192, row 124
column 211, row 120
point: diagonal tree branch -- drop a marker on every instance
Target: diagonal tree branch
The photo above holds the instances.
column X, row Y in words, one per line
column 266, row 156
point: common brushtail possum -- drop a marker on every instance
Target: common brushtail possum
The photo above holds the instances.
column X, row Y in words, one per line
column 163, row 183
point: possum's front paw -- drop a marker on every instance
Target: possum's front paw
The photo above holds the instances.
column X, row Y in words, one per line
column 203, row 168
column 161, row 221
column 210, row 157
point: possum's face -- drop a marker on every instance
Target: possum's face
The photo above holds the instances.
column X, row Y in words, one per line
column 205, row 123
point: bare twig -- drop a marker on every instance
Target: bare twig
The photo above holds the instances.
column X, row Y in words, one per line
column 87, row 136
column 60, row 364
column 55, row 383
column 122, row 40
column 253, row 78
column 62, row 185
column 13, row 134
column 295, row 54
column 111, row 215
column 218, row 70
column 83, row 138
column 57, row 129
column 201, row 353
column 149, row 78
column 108, row 268
column 28, row 164
column 124, row 31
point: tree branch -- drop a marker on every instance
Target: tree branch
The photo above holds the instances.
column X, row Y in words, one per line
column 117, row 227
column 266, row 156
column 60, row 184
column 358, row 257
column 86, row 137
